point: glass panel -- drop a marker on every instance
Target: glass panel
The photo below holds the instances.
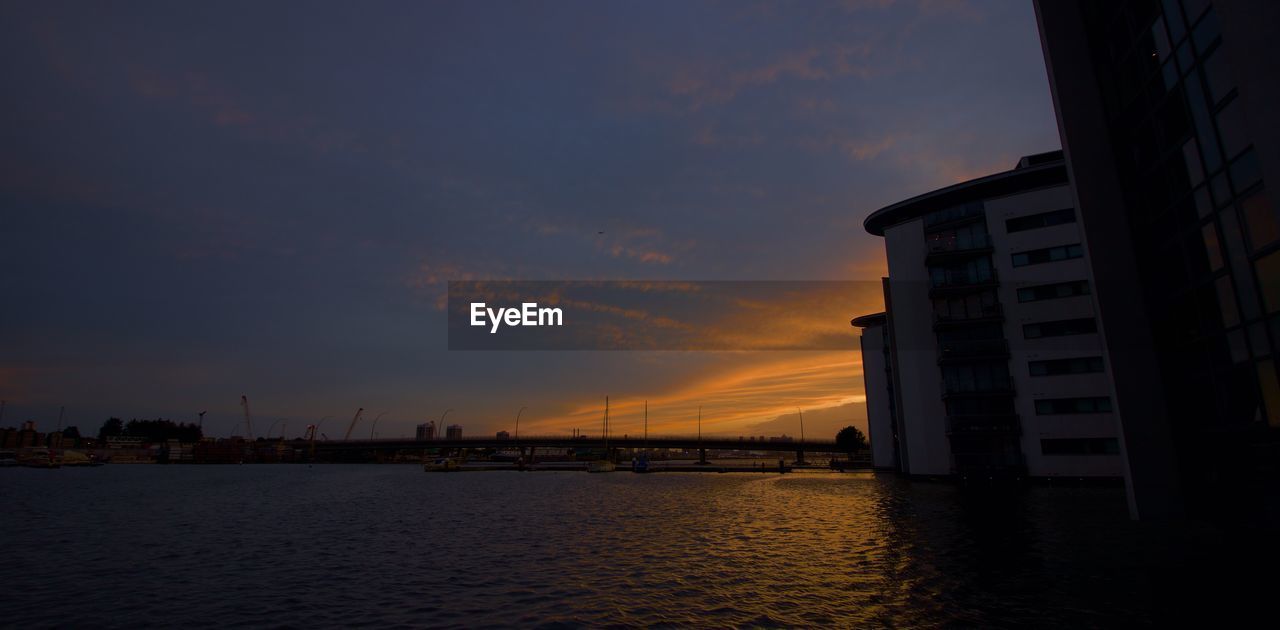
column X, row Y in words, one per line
column 1204, row 207
column 1239, row 350
column 1191, row 156
column 1245, row 171
column 1160, row 39
column 1211, row 247
column 1185, row 60
column 1233, row 246
column 1204, row 127
column 1173, row 19
column 1221, row 189
column 1206, row 32
column 1217, row 76
column 1227, row 302
column 1232, row 129
column 1267, row 381
column 1268, row 269
column 1258, row 339
column 1260, row 220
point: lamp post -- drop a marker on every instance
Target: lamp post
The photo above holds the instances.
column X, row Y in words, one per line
column 518, row 426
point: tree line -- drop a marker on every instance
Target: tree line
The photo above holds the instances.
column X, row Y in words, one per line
column 158, row 430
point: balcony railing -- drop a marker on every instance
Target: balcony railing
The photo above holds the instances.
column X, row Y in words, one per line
column 988, row 313
column 984, row 424
column 972, row 349
column 950, row 390
column 963, row 280
column 995, row 463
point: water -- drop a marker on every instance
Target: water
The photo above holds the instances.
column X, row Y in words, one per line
column 368, row 545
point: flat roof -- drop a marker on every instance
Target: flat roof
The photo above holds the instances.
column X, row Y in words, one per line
column 1033, row 171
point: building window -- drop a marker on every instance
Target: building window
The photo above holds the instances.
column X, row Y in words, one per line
column 1048, row 254
column 1055, row 406
column 1080, row 446
column 1059, row 367
column 1060, row 328
column 1053, row 291
column 1043, row 219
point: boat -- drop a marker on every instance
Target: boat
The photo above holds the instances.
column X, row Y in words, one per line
column 640, row 463
column 76, row 458
column 441, row 464
column 606, row 464
column 41, row 458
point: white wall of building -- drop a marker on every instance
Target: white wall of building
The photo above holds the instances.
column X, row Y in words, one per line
column 919, row 380
column 1023, row 351
column 876, row 383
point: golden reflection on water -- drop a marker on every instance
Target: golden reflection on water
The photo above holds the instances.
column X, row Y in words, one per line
column 391, row 545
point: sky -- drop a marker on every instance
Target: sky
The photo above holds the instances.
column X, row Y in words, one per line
column 203, row 201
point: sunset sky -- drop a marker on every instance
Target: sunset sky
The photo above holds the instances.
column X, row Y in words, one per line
column 201, row 201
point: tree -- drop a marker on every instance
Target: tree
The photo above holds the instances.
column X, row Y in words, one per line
column 851, row 440
column 111, row 428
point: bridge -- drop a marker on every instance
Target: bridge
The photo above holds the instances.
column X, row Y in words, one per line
column 528, row 445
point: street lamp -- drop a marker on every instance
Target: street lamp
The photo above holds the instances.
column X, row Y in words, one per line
column 518, row 426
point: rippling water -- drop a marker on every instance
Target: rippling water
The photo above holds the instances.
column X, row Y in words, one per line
column 390, row 545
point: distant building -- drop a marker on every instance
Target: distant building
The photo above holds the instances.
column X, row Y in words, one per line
column 877, row 378
column 987, row 361
column 453, row 432
column 502, row 435
column 426, row 431
column 1167, row 114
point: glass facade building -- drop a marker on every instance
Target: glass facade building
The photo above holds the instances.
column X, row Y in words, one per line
column 1165, row 109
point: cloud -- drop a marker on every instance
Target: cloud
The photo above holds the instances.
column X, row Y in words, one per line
column 737, row 395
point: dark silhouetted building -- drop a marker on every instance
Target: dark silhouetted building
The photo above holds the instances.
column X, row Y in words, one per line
column 987, row 362
column 1166, row 111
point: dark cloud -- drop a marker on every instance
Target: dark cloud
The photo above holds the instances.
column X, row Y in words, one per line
column 202, row 201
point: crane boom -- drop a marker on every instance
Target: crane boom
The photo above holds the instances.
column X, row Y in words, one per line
column 351, row 428
column 248, row 419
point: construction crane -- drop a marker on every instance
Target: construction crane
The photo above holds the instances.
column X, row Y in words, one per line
column 351, row 428
column 248, row 421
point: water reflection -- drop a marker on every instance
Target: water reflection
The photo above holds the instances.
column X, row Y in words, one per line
column 382, row 545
